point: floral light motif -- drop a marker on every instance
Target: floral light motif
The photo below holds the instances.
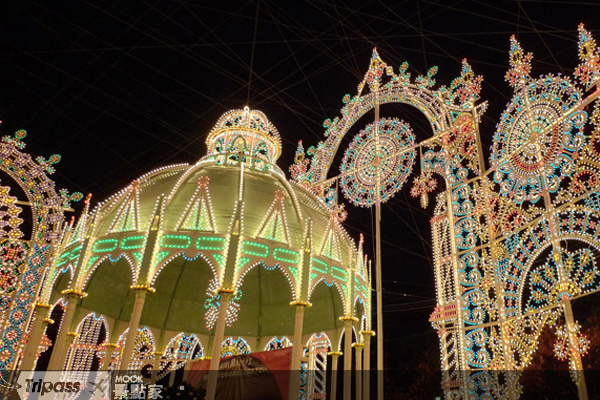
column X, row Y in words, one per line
column 47, row 205
column 13, row 253
column 300, row 166
column 568, row 342
column 520, row 64
column 466, row 88
column 422, row 185
column 8, row 279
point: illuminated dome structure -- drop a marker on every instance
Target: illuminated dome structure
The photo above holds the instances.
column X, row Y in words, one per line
column 225, row 251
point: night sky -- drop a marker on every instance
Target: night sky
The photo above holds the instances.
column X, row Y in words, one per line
column 120, row 88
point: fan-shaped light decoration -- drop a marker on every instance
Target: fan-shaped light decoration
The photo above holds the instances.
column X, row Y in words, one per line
column 381, row 161
column 578, row 275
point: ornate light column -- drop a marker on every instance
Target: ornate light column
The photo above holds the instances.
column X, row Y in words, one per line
column 366, row 373
column 348, row 356
column 109, row 350
column 155, row 366
column 35, row 336
column 225, row 297
column 334, row 364
column 297, row 347
column 358, row 348
column 71, row 338
column 59, row 354
column 134, row 324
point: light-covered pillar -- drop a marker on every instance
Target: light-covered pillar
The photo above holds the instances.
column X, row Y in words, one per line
column 30, row 353
column 211, row 389
column 334, row 374
column 366, row 381
column 348, row 356
column 297, row 347
column 155, row 366
column 59, row 353
column 71, row 338
column 358, row 367
column 134, row 324
column 109, row 349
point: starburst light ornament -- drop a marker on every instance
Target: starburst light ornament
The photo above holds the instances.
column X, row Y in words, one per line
column 381, row 158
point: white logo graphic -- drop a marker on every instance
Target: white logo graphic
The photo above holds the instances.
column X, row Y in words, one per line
column 83, row 385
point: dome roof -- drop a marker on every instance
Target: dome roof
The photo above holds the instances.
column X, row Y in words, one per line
column 231, row 221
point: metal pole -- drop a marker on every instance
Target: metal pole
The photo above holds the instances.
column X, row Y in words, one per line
column 297, row 347
column 367, row 365
column 379, row 302
column 378, row 286
column 215, row 359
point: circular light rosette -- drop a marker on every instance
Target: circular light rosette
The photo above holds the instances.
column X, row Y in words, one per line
column 380, row 160
column 533, row 141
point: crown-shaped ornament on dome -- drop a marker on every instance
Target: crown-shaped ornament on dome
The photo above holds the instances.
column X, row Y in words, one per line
column 247, row 132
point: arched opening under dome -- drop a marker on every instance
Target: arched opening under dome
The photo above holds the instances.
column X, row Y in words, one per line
column 264, row 299
column 326, row 309
column 108, row 290
column 178, row 302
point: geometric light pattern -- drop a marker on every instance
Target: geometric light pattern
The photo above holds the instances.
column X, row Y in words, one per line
column 13, row 254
